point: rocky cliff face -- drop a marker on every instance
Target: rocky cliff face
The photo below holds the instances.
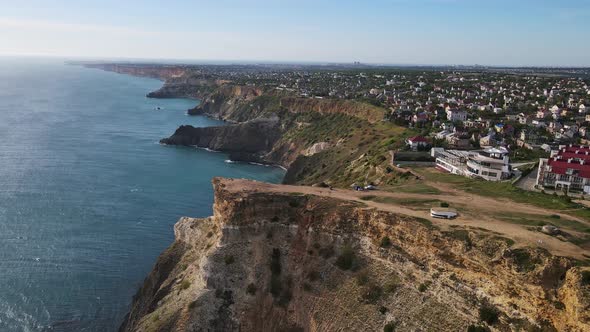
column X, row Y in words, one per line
column 242, row 103
column 162, row 72
column 286, row 262
column 179, row 82
column 248, row 141
column 185, row 86
column 228, row 103
column 298, row 122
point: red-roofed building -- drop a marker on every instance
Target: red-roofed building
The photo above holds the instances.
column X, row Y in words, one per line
column 567, row 169
column 417, row 142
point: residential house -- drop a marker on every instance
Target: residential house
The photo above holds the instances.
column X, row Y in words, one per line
column 542, row 113
column 488, row 140
column 454, row 114
column 530, row 139
column 522, row 118
column 417, row 142
column 499, row 127
column 567, row 169
column 459, row 140
column 421, row 117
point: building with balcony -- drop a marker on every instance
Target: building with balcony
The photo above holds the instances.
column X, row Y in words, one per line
column 492, row 164
column 567, row 169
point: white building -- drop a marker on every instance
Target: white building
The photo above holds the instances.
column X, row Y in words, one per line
column 451, row 161
column 492, row 164
column 454, row 114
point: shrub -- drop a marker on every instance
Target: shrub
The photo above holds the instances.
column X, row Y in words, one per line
column 275, row 285
column 293, row 203
column 382, row 310
column 423, row 287
column 327, row 252
column 346, row 258
column 362, row 278
column 523, row 260
column 488, row 313
column 192, row 304
column 251, row 289
column 275, row 262
column 274, row 219
column 307, row 287
column 286, row 295
column 555, row 216
column 313, row 275
column 478, row 328
column 389, row 327
column 372, row 293
column 444, row 204
column 385, row 242
column 585, row 278
column 229, row 259
column 392, row 284
column 185, row 284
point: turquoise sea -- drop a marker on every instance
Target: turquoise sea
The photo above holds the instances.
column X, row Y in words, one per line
column 88, row 198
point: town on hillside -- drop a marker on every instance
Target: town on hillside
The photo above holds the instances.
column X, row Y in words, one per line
column 489, row 123
column 530, row 126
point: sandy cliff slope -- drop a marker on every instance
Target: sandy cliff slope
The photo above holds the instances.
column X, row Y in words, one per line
column 273, row 260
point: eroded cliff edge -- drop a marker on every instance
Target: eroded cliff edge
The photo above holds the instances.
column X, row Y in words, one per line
column 316, row 140
column 278, row 260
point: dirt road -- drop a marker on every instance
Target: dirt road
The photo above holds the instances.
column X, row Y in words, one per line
column 521, row 235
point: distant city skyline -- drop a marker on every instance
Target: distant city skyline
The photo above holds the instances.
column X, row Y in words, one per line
column 402, row 32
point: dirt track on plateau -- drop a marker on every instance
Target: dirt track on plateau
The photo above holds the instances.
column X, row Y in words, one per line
column 521, row 235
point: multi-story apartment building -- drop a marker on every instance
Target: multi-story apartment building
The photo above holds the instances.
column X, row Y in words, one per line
column 567, row 169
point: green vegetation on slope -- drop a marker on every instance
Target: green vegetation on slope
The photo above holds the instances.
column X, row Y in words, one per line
column 359, row 150
column 505, row 190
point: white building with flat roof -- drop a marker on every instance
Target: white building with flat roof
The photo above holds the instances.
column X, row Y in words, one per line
column 492, row 164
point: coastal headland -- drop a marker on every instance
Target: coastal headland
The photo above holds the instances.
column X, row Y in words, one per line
column 313, row 255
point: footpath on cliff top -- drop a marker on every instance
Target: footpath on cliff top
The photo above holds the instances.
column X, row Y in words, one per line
column 482, row 210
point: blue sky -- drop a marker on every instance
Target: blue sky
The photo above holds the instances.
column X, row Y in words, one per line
column 490, row 32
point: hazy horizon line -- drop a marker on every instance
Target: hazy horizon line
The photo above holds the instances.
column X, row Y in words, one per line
column 192, row 61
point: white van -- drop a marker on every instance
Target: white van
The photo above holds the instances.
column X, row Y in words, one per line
column 443, row 213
